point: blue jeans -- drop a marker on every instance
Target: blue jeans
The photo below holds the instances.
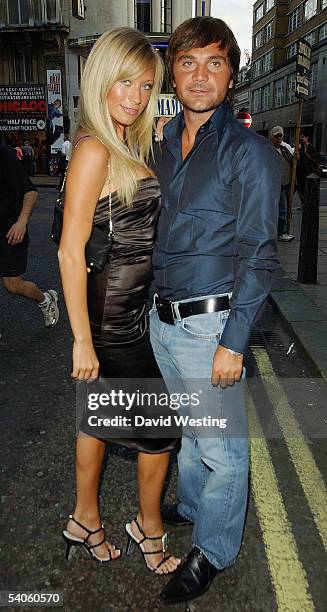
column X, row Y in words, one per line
column 213, row 471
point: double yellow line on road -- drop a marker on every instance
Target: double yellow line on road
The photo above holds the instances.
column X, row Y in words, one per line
column 306, row 468
column 288, row 575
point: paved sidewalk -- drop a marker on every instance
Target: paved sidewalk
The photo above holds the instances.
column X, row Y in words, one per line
column 44, row 180
column 304, row 307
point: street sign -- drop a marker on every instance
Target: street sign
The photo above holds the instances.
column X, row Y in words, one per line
column 244, row 118
column 303, row 69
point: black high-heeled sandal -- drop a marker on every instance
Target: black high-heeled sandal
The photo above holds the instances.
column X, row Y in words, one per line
column 133, row 541
column 72, row 540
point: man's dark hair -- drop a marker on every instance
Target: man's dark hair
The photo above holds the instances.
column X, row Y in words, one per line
column 305, row 133
column 200, row 32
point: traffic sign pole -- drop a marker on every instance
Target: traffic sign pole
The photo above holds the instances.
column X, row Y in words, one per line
column 296, row 154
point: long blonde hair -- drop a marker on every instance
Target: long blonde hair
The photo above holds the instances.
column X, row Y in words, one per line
column 121, row 54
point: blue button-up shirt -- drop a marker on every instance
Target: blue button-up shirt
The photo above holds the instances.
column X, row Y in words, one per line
column 218, row 224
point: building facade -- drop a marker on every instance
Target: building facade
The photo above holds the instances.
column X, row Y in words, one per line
column 242, row 90
column 40, row 36
column 156, row 18
column 277, row 27
column 32, row 43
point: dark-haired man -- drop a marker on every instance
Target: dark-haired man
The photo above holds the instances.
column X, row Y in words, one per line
column 213, row 262
column 307, row 163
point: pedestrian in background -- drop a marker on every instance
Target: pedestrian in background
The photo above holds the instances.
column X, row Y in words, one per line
column 66, row 151
column 286, row 157
column 28, row 158
column 19, row 152
column 17, row 200
column 307, row 163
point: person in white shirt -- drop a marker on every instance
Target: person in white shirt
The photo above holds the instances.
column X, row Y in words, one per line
column 66, row 148
column 66, row 151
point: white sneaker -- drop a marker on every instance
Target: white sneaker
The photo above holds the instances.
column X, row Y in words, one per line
column 50, row 310
column 286, row 237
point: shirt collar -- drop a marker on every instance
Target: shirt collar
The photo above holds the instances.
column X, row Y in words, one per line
column 174, row 129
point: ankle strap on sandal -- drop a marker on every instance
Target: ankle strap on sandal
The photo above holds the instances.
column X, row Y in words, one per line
column 88, row 531
column 163, row 538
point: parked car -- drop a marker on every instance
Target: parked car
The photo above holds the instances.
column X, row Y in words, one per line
column 322, row 161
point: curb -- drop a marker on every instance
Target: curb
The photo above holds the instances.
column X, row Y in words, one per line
column 47, row 185
column 306, row 321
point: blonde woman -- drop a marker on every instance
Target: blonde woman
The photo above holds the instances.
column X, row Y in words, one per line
column 121, row 80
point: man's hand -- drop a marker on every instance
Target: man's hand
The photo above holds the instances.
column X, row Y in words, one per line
column 16, row 232
column 226, row 368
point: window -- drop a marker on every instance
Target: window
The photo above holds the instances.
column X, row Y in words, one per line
column 166, row 8
column 18, row 12
column 259, row 13
column 78, row 9
column 267, row 62
column 323, row 32
column 23, row 66
column 258, row 39
column 279, row 97
column 269, row 5
column 291, row 87
column 311, row 38
column 30, row 12
column 269, row 30
column 142, row 12
column 313, row 80
column 257, row 68
column 266, row 97
column 52, row 7
column 256, row 100
column 310, row 9
column 292, row 50
column 294, row 20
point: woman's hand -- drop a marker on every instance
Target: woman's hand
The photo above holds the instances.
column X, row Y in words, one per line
column 85, row 361
column 160, row 127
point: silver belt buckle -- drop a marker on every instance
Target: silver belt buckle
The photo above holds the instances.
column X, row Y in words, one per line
column 175, row 311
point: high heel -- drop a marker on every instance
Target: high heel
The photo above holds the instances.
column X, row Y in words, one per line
column 132, row 541
column 72, row 540
column 130, row 545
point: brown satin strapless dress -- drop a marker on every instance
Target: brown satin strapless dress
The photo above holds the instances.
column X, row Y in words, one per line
column 117, row 300
column 117, row 296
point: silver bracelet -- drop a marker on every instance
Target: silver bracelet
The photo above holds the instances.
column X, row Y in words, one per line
column 235, row 353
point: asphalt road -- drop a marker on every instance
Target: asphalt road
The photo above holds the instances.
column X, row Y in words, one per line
column 281, row 566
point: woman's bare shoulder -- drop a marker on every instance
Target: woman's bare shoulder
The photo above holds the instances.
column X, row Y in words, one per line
column 87, row 144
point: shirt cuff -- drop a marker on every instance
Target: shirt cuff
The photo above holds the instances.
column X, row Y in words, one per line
column 236, row 334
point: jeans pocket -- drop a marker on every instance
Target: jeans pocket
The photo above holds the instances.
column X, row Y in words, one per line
column 206, row 326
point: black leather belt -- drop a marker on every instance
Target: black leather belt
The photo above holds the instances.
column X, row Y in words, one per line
column 169, row 312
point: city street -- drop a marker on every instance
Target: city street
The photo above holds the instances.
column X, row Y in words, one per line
column 282, row 563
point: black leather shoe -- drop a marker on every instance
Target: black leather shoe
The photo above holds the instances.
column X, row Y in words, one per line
column 171, row 516
column 192, row 578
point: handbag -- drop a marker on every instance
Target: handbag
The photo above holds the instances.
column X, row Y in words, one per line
column 100, row 242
